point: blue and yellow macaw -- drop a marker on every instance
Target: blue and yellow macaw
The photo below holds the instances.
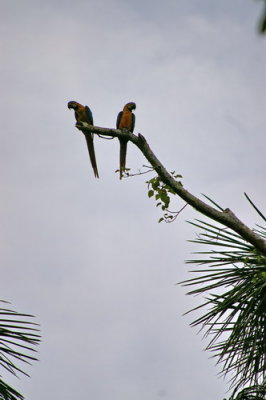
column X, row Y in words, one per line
column 125, row 120
column 84, row 116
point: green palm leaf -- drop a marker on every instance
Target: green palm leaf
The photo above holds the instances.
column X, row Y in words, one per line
column 18, row 335
column 232, row 278
column 8, row 393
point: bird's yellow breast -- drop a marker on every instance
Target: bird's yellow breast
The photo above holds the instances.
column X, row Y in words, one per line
column 81, row 115
column 126, row 120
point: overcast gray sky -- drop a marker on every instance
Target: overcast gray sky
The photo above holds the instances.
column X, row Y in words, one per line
column 87, row 256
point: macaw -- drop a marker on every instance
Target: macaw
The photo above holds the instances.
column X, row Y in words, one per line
column 84, row 116
column 125, row 120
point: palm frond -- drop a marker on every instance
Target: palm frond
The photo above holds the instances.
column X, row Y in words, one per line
column 8, row 393
column 255, row 207
column 233, row 282
column 257, row 392
column 18, row 335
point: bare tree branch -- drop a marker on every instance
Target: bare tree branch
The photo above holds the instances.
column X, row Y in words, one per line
column 225, row 217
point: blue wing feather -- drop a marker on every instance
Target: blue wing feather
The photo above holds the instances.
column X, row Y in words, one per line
column 133, row 123
column 119, row 116
column 89, row 115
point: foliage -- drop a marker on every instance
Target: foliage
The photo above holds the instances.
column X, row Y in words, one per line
column 262, row 22
column 8, row 393
column 234, row 284
column 17, row 336
column 161, row 193
column 257, row 392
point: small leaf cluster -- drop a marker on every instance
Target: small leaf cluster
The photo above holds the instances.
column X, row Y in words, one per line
column 161, row 192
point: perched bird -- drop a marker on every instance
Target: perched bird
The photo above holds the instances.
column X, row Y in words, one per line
column 125, row 120
column 84, row 117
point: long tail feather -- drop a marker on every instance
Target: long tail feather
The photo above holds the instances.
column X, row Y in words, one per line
column 90, row 145
column 123, row 155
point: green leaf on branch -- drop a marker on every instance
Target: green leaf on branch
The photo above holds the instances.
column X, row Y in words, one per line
column 162, row 192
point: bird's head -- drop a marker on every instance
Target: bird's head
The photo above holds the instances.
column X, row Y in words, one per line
column 72, row 104
column 131, row 106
